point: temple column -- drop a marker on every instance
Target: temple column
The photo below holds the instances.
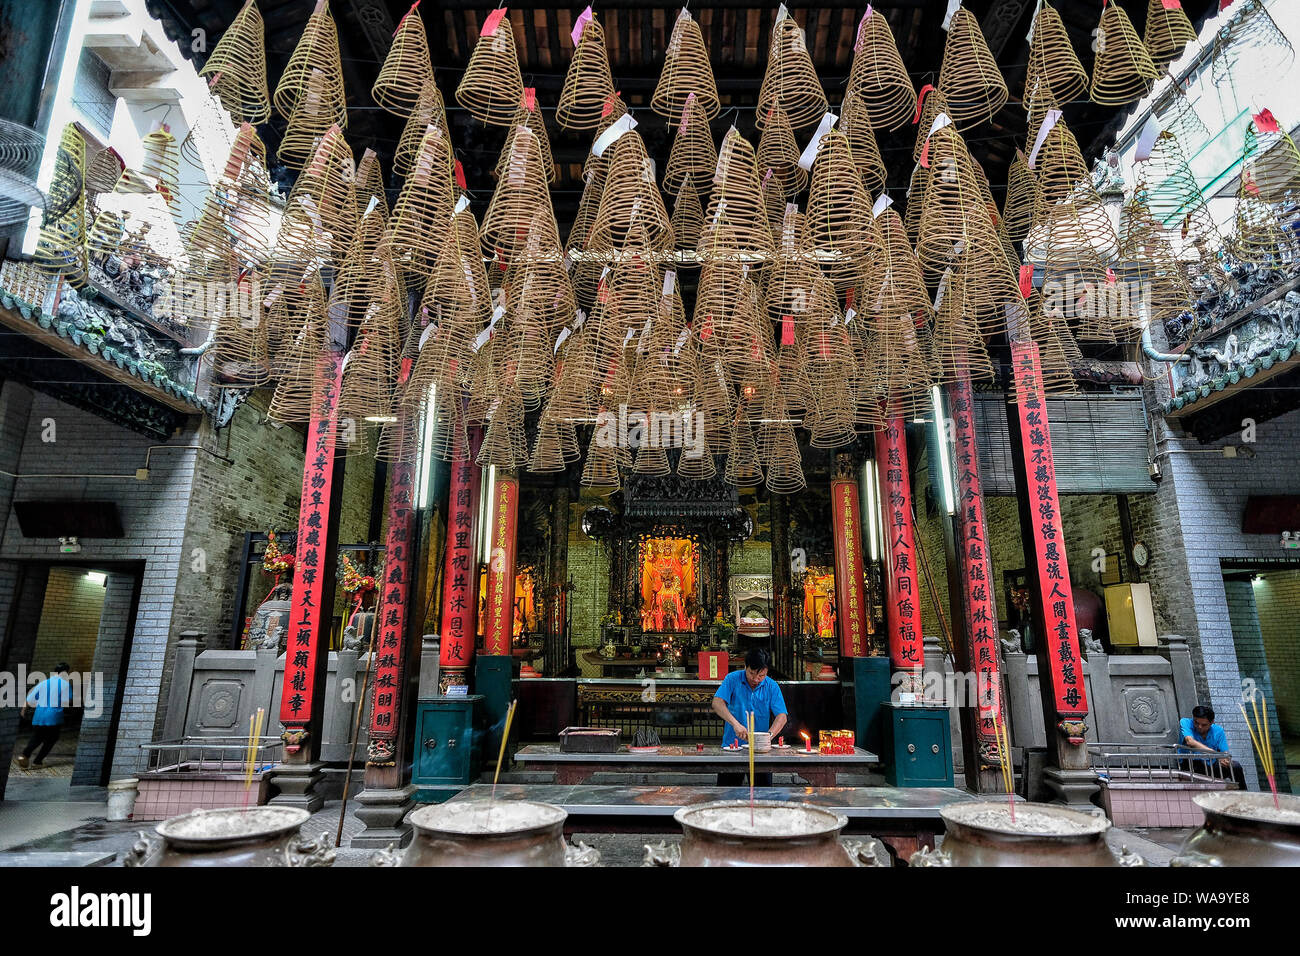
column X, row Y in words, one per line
column 902, row 593
column 782, row 618
column 1060, row 667
column 456, row 623
column 977, row 652
column 557, row 588
column 493, row 670
column 850, row 592
column 306, row 663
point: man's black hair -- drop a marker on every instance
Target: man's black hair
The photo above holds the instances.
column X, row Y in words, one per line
column 1202, row 712
column 758, row 659
column 62, row 668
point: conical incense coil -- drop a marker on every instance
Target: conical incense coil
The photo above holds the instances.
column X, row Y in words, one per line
column 742, row 457
column 1271, row 159
column 162, row 162
column 541, row 290
column 878, row 75
column 778, row 154
column 240, row 356
column 310, row 120
column 238, row 207
column 519, row 220
column 1148, row 260
column 492, row 86
column 102, row 170
column 399, row 439
column 1071, row 224
column 722, row 313
column 588, row 85
column 370, row 185
column 549, row 449
column 236, row 68
column 317, row 51
column 1259, row 238
column 298, row 361
column 422, row 214
column 1123, row 71
column 688, row 216
column 1176, row 199
column 970, row 79
column 61, row 247
column 855, row 123
column 600, row 471
column 693, row 153
column 1251, row 35
column 631, row 214
column 1168, row 31
column 1179, row 117
column 1021, row 198
column 784, row 464
column 134, row 223
column 531, row 118
column 790, row 81
column 842, row 231
column 1055, row 72
column 915, row 202
column 957, row 342
column 504, row 442
column 735, row 222
column 324, row 199
column 371, row 365
column 407, row 68
column 429, row 110
column 933, row 104
column 792, row 274
column 900, row 287
column 686, row 71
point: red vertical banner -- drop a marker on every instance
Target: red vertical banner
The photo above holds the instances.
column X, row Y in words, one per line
column 976, row 568
column 903, row 597
column 850, row 593
column 498, row 629
column 385, row 708
column 306, row 628
column 460, row 574
column 1055, row 611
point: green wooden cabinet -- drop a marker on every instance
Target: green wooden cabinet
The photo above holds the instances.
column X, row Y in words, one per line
column 448, row 746
column 919, row 746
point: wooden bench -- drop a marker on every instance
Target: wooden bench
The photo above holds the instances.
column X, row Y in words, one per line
column 905, row 819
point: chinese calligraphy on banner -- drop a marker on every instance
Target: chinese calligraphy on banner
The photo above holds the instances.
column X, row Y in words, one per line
column 850, row 594
column 460, row 573
column 1055, row 613
column 498, row 629
column 385, row 709
column 902, row 603
column 305, row 624
column 977, row 569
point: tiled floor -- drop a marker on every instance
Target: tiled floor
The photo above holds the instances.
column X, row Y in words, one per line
column 58, row 763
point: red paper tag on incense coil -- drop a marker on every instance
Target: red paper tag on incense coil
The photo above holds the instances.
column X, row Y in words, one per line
column 404, row 16
column 490, row 24
column 850, row 298
column 1266, row 122
column 1172, row 4
column 920, row 101
column 405, row 373
column 925, row 154
column 460, row 175
column 608, row 107
column 530, row 99
column 706, row 332
column 1111, row 278
column 787, row 330
column 1026, row 281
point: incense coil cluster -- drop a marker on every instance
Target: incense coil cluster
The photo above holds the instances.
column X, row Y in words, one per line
column 236, row 68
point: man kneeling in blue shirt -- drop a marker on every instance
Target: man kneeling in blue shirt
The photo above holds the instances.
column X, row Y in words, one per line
column 744, row 692
column 1200, row 732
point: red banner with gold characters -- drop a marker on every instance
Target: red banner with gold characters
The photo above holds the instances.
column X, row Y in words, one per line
column 903, row 597
column 386, row 707
column 498, row 629
column 460, row 571
column 850, row 594
column 976, row 567
column 306, row 628
column 1055, row 616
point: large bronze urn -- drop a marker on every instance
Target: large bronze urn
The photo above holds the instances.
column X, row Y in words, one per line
column 489, row 833
column 232, row 836
column 1043, row 834
column 1244, row 829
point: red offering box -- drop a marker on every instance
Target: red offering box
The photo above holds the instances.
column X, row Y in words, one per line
column 713, row 665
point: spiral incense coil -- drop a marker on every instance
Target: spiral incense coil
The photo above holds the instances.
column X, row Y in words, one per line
column 916, row 190
column 855, row 123
column 422, row 214
column 970, row 79
column 1178, row 116
column 904, row 368
column 102, row 171
column 238, row 207
column 631, row 214
column 297, row 363
column 407, row 68
column 588, row 85
column 532, row 119
column 697, row 467
column 371, row 365
column 309, row 122
column 325, row 194
column 1021, row 198
column 600, row 470
column 790, row 81
column 722, row 315
column 429, row 110
column 1123, row 72
column 540, row 290
column 686, row 71
column 1273, row 161
column 358, row 274
column 841, row 229
column 61, row 247
column 779, row 152
column 1168, row 31
column 240, row 349
column 1250, row 36
column 784, row 463
column 317, row 51
column 933, row 104
column 1054, row 68
column 792, row 274
column 492, row 87
column 957, row 342
column 549, row 449
column 900, row 287
column 693, row 153
column 370, row 185
column 134, row 223
column 1176, row 198
column 162, row 162
column 1260, row 237
column 879, row 77
column 236, row 68
column 742, row 467
column 504, row 442
column 1150, row 261
column 687, row 219
column 735, row 222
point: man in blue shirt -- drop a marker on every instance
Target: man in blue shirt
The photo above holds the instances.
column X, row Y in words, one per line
column 749, row 691
column 49, row 697
column 1200, row 733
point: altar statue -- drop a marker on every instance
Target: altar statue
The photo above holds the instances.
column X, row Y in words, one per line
column 667, row 581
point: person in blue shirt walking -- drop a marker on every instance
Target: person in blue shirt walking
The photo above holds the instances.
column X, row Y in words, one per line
column 743, row 692
column 49, row 697
column 1200, row 733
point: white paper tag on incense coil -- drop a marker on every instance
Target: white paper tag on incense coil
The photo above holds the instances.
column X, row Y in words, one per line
column 564, row 334
column 482, row 339
column 883, row 203
column 432, row 330
column 943, row 288
column 370, row 206
column 462, row 204
column 670, row 279
column 518, row 174
column 849, row 316
column 644, row 339
column 628, row 337
column 579, row 317
column 953, row 7
column 810, row 151
column 940, row 121
column 1033, row 21
column 1147, row 141
column 682, row 336
column 1049, row 122
column 624, row 124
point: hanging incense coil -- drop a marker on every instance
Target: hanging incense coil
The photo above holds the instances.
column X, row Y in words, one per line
column 735, row 222
column 371, row 365
column 1123, row 71
column 61, row 247
column 238, row 207
column 1021, row 199
column 103, row 169
column 1176, row 200
column 1168, row 31
column 957, row 341
column 742, row 467
column 693, row 153
column 532, row 119
column 317, row 51
column 600, row 471
column 1179, row 117
column 686, row 71
column 1260, row 238
column 915, row 202
column 236, row 68
column 878, row 75
column 688, row 218
column 1273, row 162
column 519, row 220
column 422, row 214
column 790, row 81
column 504, row 443
column 297, row 363
column 407, row 68
column 1250, row 35
column 1055, row 72
column 588, row 85
column 370, row 185
column 134, row 223
column 842, row 231
column 933, row 104
column 631, row 214
column 429, row 110
column 240, row 347
column 492, row 87
column 784, row 463
column 309, row 122
column 900, row 287
column 549, row 450
column 969, row 78
column 779, row 153
column 903, row 370
column 792, row 274
column 1149, row 260
column 855, row 123
column 323, row 199
column 162, row 162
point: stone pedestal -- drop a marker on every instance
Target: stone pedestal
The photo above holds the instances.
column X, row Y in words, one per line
column 430, row 647
column 300, row 785
column 384, row 813
column 1074, row 788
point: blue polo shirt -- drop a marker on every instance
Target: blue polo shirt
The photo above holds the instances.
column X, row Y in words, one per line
column 49, row 697
column 764, row 700
column 1214, row 738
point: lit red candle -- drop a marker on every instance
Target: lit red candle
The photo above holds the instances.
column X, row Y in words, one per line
column 807, row 742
